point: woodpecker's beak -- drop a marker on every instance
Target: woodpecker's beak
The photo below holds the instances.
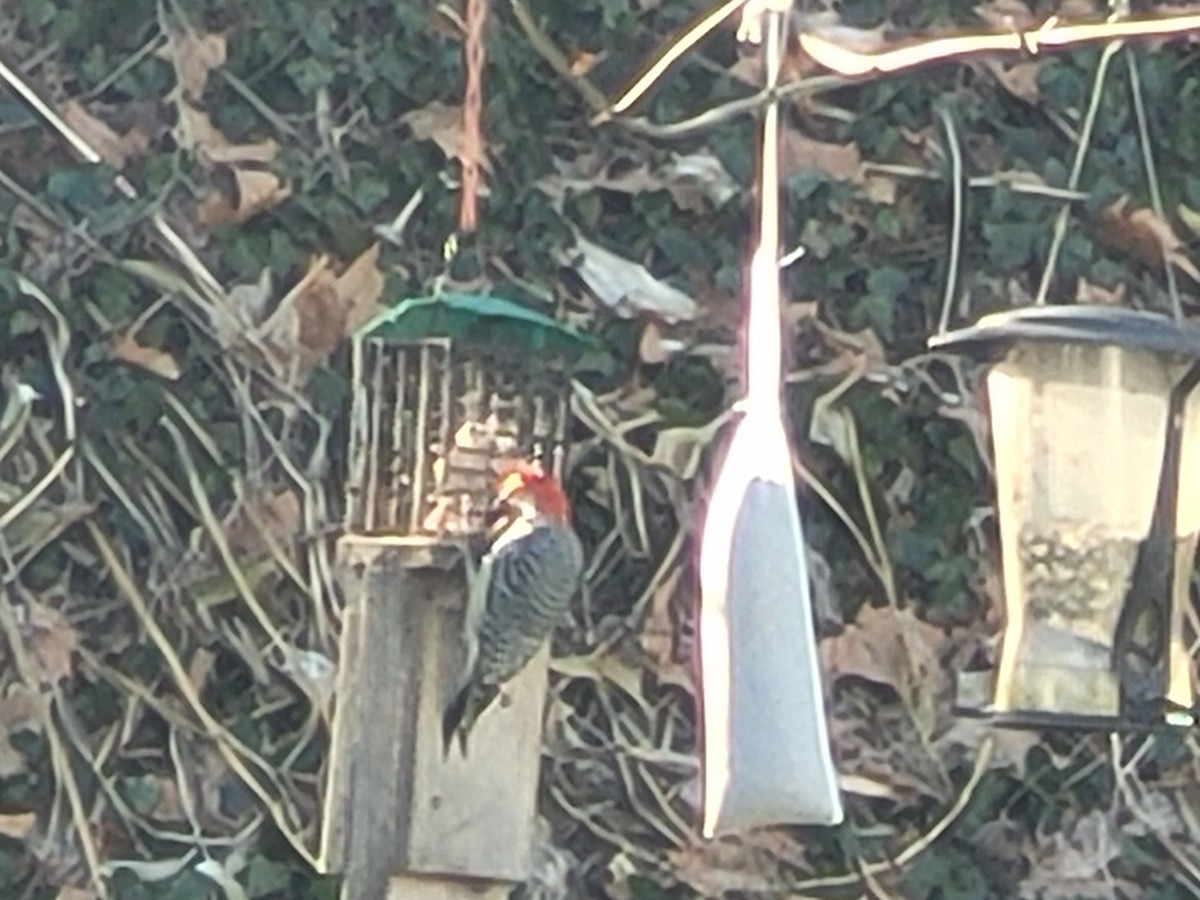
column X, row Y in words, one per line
column 500, row 510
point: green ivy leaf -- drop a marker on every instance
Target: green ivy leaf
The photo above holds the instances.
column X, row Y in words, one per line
column 310, row 74
column 948, row 873
column 141, row 792
column 1010, row 245
column 885, row 285
column 369, row 192
column 266, row 876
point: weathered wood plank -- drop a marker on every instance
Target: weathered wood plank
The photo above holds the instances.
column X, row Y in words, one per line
column 395, row 806
column 415, row 887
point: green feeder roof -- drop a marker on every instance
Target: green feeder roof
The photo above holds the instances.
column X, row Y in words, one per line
column 475, row 319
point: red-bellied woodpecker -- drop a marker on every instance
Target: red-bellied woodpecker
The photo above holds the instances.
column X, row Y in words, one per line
column 520, row 593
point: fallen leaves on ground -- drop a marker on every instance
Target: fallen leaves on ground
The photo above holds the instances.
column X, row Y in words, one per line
column 254, row 188
column 841, row 162
column 51, row 640
column 1143, row 235
column 882, row 645
column 441, row 123
column 624, row 286
column 1072, row 864
column 115, row 149
column 325, row 307
column 128, row 349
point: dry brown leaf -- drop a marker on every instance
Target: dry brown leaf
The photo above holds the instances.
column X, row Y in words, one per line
column 650, row 348
column 324, row 308
column 321, row 316
column 1007, row 15
column 257, row 190
column 584, row 61
column 1073, row 864
column 1019, row 79
column 881, row 188
column 442, row 124
column 195, row 131
column 1144, row 236
column 865, row 787
column 115, row 149
column 18, row 712
column 278, row 515
column 258, row 152
column 884, row 645
column 51, row 640
column 127, row 349
column 193, row 55
column 749, row 863
column 11, row 761
column 360, row 286
column 1094, row 294
column 842, row 162
column 438, row 122
column 1010, row 746
column 17, row 825
column 169, row 805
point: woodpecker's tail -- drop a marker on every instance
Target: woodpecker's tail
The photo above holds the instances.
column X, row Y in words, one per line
column 463, row 710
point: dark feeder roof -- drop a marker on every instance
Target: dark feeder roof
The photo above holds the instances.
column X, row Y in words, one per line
column 993, row 334
column 478, row 320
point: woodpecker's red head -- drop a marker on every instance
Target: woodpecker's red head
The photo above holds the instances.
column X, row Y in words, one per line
column 530, row 488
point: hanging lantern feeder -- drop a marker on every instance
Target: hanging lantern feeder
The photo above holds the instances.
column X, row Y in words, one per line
column 1095, row 424
column 444, row 387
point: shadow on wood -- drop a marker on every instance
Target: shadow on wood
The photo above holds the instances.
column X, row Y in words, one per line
column 400, row 819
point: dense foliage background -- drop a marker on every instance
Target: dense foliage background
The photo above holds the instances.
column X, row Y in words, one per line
column 169, row 443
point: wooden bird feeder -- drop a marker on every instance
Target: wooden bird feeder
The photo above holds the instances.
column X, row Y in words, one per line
column 447, row 392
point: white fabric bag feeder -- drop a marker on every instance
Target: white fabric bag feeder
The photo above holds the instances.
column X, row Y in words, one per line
column 765, row 754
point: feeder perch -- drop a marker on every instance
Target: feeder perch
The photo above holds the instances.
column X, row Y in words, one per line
column 448, row 391
column 1095, row 425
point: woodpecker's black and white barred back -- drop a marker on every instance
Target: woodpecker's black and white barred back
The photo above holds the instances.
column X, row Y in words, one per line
column 521, row 592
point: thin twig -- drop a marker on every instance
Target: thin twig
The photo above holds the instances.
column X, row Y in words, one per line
column 958, row 202
column 1156, row 202
column 1081, row 149
column 1049, row 35
column 64, row 775
column 128, row 588
column 546, row 48
column 982, row 759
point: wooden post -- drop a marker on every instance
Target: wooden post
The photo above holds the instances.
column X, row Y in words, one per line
column 400, row 820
